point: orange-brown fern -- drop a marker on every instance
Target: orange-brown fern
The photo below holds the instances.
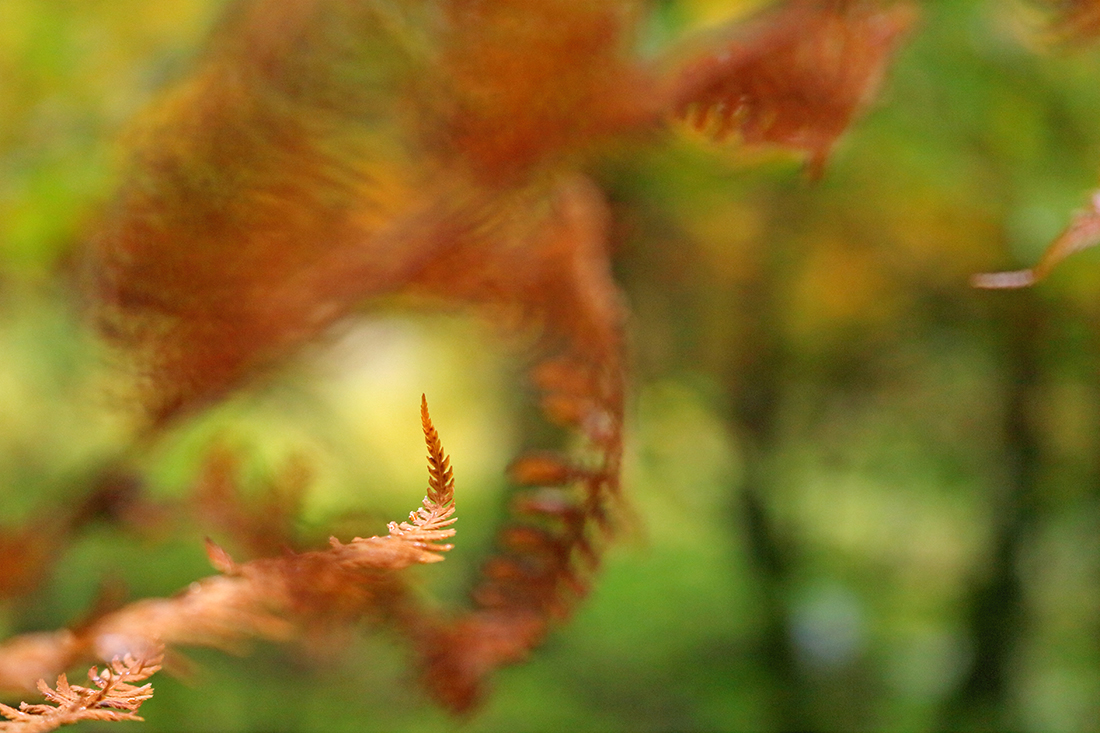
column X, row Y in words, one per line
column 115, row 697
column 796, row 76
column 322, row 153
column 276, row 598
column 1076, row 19
column 1082, row 233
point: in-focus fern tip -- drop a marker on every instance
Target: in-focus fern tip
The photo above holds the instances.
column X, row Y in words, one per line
column 440, row 475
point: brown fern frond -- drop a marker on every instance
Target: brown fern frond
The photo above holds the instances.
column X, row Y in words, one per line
column 796, row 77
column 1077, row 20
column 320, row 155
column 324, row 153
column 441, row 482
column 431, row 523
column 551, row 276
column 274, row 598
column 1082, row 233
column 114, row 697
column 527, row 83
column 260, row 526
column 258, row 207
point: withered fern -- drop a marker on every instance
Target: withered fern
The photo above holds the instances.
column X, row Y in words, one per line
column 795, row 77
column 115, row 697
column 1075, row 20
column 275, row 598
column 321, row 154
column 1082, row 233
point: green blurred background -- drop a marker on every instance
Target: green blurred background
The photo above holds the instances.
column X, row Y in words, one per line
column 865, row 495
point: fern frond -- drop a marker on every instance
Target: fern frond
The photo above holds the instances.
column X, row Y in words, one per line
column 797, row 77
column 114, row 697
column 429, row 525
column 273, row 598
column 1082, row 233
column 317, row 158
column 441, row 482
column 559, row 285
column 1076, row 19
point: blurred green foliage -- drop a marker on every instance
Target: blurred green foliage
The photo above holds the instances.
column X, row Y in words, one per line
column 865, row 494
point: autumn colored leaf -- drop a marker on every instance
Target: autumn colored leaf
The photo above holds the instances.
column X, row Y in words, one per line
column 796, row 76
column 1076, row 19
column 1082, row 233
column 323, row 153
column 275, row 598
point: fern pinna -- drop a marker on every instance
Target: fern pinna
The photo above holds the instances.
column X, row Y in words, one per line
column 114, row 697
column 322, row 152
column 274, row 598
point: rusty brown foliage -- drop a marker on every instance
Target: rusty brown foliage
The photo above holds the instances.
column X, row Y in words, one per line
column 1082, row 233
column 795, row 77
column 262, row 526
column 275, row 598
column 325, row 152
column 115, row 697
column 322, row 153
column 1076, row 19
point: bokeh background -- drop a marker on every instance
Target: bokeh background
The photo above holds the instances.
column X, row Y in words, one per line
column 863, row 494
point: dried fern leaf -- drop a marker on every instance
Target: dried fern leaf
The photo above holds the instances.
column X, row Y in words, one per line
column 115, row 697
column 528, row 83
column 262, row 197
column 275, row 598
column 422, row 534
column 319, row 154
column 441, row 481
column 1082, row 233
column 1077, row 20
column 795, row 77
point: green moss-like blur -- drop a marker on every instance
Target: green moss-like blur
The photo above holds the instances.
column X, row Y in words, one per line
column 866, row 495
